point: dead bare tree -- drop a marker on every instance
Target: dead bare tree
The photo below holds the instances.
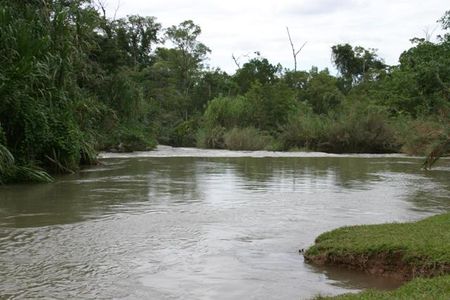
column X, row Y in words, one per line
column 117, row 9
column 236, row 61
column 294, row 52
column 428, row 32
column 102, row 5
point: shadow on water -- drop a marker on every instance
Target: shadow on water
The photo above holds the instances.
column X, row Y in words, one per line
column 101, row 190
column 355, row 279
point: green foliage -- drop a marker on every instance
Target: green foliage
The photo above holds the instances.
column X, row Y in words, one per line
column 305, row 130
column 62, row 90
column 29, row 174
column 42, row 65
column 262, row 107
column 419, row 136
column 6, row 160
column 73, row 82
column 321, row 92
column 228, row 112
column 361, row 128
column 212, row 84
column 189, row 52
column 135, row 36
column 211, row 137
column 429, row 67
column 10, row 172
column 270, row 105
column 355, row 128
column 356, row 64
column 184, row 134
column 129, row 137
column 256, row 70
column 248, row 138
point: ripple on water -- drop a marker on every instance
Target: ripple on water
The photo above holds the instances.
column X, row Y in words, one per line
column 202, row 227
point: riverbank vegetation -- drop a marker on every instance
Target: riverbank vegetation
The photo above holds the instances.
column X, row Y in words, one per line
column 403, row 250
column 74, row 82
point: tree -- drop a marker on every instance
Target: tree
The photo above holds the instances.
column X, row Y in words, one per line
column 322, row 92
column 256, row 70
column 356, row 64
column 190, row 52
column 295, row 53
column 136, row 35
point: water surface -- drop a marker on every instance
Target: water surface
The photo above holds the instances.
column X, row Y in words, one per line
column 195, row 224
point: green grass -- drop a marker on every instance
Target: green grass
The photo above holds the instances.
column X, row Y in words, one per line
column 426, row 242
column 433, row 289
column 422, row 245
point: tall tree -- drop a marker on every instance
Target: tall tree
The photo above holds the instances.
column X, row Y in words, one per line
column 356, row 64
column 257, row 69
column 191, row 52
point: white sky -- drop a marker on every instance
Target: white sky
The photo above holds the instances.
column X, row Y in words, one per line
column 242, row 27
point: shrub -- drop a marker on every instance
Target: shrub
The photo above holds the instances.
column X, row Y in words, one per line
column 305, row 130
column 128, row 138
column 418, row 137
column 227, row 112
column 210, row 138
column 368, row 133
column 357, row 128
column 184, row 134
column 248, row 138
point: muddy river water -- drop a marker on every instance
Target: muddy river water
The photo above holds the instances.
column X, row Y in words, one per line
column 203, row 224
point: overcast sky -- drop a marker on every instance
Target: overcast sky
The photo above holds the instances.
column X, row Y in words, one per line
column 242, row 27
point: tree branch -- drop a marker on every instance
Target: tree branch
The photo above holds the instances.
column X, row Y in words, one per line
column 294, row 52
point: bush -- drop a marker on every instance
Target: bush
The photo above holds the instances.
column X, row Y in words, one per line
column 184, row 134
column 211, row 138
column 361, row 132
column 357, row 128
column 2, row 136
column 247, row 139
column 269, row 105
column 227, row 112
column 128, row 138
column 417, row 137
column 305, row 130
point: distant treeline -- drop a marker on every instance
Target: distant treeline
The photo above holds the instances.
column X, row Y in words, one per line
column 73, row 82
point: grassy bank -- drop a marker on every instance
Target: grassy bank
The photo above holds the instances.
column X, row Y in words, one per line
column 402, row 250
column 405, row 250
column 420, row 288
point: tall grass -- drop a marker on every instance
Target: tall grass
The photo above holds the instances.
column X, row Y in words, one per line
column 420, row 136
column 211, row 137
column 248, row 138
column 356, row 128
column 6, row 160
column 10, row 172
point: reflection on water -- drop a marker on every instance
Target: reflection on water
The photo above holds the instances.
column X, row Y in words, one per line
column 202, row 227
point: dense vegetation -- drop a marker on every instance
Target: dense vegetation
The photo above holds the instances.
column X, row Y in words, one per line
column 73, row 82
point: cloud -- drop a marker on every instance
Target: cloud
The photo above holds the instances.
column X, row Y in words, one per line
column 320, row 6
column 241, row 27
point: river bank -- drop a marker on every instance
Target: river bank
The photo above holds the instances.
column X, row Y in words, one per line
column 169, row 151
column 401, row 250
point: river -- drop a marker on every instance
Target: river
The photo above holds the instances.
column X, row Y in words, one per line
column 203, row 224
